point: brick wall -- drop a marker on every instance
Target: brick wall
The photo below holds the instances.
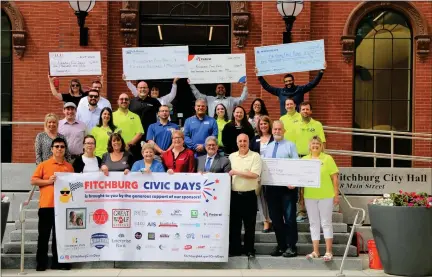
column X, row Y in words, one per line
column 332, row 99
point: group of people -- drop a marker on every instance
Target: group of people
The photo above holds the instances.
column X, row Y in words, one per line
column 221, row 137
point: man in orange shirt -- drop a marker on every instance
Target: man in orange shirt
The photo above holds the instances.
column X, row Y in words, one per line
column 44, row 177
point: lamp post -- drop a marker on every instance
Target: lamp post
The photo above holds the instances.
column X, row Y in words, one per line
column 82, row 8
column 289, row 9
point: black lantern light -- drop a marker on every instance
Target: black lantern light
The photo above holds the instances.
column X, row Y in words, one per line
column 82, row 8
column 289, row 9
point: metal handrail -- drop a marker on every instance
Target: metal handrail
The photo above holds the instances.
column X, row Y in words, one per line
column 355, row 224
column 379, row 155
column 22, row 220
column 376, row 131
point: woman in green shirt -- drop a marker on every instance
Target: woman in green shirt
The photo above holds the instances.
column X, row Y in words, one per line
column 103, row 130
column 221, row 116
column 319, row 201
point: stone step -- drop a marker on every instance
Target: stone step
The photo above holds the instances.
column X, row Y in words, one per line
column 261, row 248
column 31, row 224
column 34, row 204
column 304, row 237
column 306, row 248
column 31, row 214
column 12, row 261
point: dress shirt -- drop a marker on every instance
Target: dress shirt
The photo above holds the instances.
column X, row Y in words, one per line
column 229, row 102
column 285, row 149
column 90, row 118
column 211, row 161
column 102, row 103
column 74, row 134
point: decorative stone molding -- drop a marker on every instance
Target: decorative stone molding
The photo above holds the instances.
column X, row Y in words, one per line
column 129, row 22
column 240, row 18
column 19, row 34
column 416, row 19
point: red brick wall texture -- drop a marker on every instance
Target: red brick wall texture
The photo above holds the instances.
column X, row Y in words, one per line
column 52, row 26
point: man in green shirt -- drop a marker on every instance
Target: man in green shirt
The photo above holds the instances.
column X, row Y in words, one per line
column 130, row 126
column 290, row 119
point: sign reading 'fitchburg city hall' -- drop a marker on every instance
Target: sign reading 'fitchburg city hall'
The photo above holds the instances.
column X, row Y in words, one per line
column 366, row 180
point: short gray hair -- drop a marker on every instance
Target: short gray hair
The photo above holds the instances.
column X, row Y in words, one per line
column 201, row 100
column 213, row 138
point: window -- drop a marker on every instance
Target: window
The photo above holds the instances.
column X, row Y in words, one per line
column 6, row 87
column 382, row 81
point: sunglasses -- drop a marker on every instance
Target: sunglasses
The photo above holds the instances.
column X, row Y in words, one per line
column 64, row 192
column 124, row 99
column 93, row 96
column 75, row 85
column 59, row 146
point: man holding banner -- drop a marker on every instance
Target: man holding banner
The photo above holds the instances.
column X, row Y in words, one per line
column 229, row 102
column 290, row 89
column 282, row 200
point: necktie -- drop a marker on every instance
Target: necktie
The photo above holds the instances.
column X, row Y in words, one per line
column 207, row 165
column 275, row 149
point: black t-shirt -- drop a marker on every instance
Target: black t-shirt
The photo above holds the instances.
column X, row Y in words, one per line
column 146, row 109
column 67, row 97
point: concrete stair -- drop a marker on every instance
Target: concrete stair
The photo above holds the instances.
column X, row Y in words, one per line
column 264, row 245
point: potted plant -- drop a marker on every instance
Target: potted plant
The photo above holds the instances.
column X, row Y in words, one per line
column 402, row 229
column 4, row 213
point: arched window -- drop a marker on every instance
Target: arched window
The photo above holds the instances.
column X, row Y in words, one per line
column 6, row 87
column 382, row 82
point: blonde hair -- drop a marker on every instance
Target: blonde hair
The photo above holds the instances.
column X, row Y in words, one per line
column 318, row 139
column 178, row 132
column 50, row 117
column 148, row 146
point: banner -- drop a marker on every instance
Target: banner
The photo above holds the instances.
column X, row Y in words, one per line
column 222, row 68
column 152, row 63
column 291, row 57
column 75, row 63
column 287, row 172
column 142, row 217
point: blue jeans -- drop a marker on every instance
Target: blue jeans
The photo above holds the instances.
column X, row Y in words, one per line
column 282, row 205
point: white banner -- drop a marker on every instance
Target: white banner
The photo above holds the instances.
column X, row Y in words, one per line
column 291, row 57
column 287, row 172
column 142, row 217
column 75, row 63
column 152, row 63
column 222, row 68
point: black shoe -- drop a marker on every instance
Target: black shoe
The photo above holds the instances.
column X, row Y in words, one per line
column 40, row 268
column 234, row 254
column 289, row 253
column 61, row 266
column 277, row 252
column 250, row 254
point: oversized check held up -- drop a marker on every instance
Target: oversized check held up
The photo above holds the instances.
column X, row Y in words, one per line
column 287, row 172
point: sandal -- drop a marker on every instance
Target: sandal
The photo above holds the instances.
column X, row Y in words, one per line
column 328, row 257
column 312, row 255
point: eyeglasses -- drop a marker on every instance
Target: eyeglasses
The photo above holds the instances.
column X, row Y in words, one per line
column 143, row 87
column 75, row 85
column 59, row 146
column 177, row 138
column 124, row 99
column 93, row 96
column 211, row 145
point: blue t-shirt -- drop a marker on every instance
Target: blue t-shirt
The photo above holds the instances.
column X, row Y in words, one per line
column 161, row 134
column 156, row 166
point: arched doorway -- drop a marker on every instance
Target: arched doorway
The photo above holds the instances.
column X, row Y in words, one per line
column 205, row 26
column 6, row 88
column 383, row 83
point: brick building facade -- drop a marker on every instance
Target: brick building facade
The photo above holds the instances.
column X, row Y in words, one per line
column 52, row 26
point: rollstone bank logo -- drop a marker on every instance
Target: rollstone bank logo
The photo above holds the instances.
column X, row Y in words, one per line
column 99, row 240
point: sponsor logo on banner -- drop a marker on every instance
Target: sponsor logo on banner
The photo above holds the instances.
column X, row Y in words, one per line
column 210, row 236
column 152, row 224
column 194, row 213
column 175, row 249
column 99, row 217
column 164, row 236
column 213, row 224
column 149, row 246
column 207, row 214
column 138, row 247
column 159, row 212
column 140, row 213
column 167, row 224
column 139, row 224
column 190, row 236
column 200, row 247
column 65, row 195
column 177, row 235
column 206, row 236
column 121, row 241
column 138, row 235
column 177, row 213
column 99, row 240
column 121, row 218
column 151, row 236
column 188, row 247
column 74, row 245
column 162, row 246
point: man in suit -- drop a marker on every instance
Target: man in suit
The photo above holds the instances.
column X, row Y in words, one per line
column 213, row 162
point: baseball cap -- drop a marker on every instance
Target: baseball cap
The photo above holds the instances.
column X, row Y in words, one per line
column 69, row 104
